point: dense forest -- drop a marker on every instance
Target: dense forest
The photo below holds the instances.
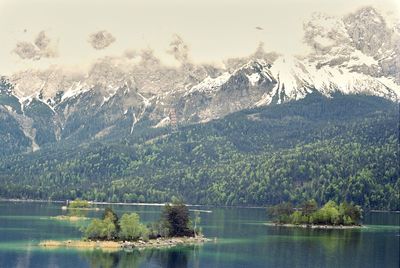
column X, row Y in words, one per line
column 342, row 149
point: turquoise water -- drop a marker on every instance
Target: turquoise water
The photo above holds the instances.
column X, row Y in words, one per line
column 243, row 241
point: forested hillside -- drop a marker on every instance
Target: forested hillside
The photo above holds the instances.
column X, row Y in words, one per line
column 341, row 148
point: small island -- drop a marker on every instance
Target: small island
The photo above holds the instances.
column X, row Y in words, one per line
column 113, row 233
column 309, row 215
column 79, row 204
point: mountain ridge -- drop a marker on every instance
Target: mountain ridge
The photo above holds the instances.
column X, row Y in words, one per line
column 342, row 148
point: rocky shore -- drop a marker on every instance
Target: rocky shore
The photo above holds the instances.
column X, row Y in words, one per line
column 120, row 245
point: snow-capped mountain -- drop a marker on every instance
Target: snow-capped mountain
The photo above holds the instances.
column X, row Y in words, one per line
column 356, row 54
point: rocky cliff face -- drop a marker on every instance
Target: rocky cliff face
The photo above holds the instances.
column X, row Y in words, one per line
column 361, row 42
column 356, row 54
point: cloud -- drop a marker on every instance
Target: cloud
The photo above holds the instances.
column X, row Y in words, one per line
column 42, row 47
column 101, row 39
column 26, row 50
column 130, row 53
column 42, row 41
column 148, row 59
column 179, row 49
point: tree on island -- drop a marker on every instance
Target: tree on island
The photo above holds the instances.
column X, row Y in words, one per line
column 110, row 215
column 174, row 222
column 175, row 218
column 329, row 214
column 131, row 228
column 100, row 230
column 110, row 228
column 281, row 212
column 79, row 203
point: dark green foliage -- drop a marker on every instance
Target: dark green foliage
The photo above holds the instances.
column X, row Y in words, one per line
column 308, row 208
column 341, row 149
column 112, row 216
column 281, row 212
column 175, row 217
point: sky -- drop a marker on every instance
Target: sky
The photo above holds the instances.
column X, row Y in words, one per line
column 213, row 29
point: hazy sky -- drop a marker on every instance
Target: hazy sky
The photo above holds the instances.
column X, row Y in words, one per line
column 213, row 29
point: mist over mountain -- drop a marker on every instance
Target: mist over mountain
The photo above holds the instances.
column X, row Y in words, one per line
column 355, row 54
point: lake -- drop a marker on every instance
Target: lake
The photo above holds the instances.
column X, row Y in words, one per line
column 242, row 241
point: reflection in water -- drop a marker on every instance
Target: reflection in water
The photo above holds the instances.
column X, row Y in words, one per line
column 243, row 241
column 178, row 257
column 24, row 260
column 77, row 213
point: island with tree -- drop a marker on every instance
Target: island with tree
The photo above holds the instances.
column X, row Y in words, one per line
column 79, row 204
column 111, row 232
column 309, row 215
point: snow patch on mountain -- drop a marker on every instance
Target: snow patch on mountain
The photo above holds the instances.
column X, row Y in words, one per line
column 209, row 84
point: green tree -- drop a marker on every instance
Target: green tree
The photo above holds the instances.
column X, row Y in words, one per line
column 105, row 228
column 110, row 215
column 175, row 217
column 94, row 230
column 131, row 228
column 308, row 208
column 296, row 217
column 281, row 213
column 328, row 214
column 350, row 213
column 110, row 229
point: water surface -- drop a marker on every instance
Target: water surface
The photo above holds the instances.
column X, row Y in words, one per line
column 243, row 241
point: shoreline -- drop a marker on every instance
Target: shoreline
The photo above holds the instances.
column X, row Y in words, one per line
column 315, row 226
column 88, row 208
column 69, row 218
column 152, row 204
column 124, row 245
